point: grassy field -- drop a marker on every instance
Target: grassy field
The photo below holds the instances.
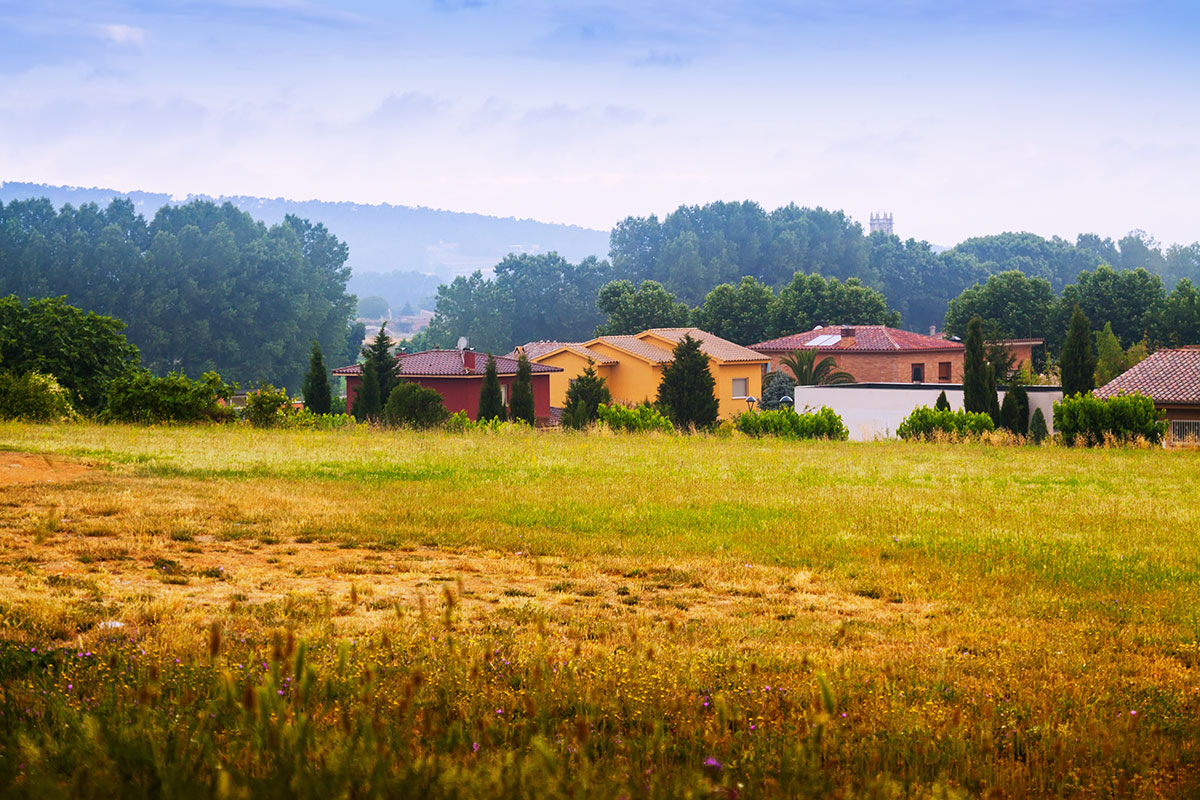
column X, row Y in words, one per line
column 231, row 612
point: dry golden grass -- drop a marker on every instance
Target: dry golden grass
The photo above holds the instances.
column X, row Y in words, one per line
column 984, row 618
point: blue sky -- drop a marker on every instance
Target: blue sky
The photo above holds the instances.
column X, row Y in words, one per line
column 962, row 118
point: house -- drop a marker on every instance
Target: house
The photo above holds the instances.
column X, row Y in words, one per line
column 875, row 410
column 457, row 375
column 1172, row 379
column 632, row 365
column 878, row 354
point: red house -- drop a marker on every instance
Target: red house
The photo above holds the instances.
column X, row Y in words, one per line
column 457, row 375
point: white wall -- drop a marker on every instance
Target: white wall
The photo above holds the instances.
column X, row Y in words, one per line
column 875, row 410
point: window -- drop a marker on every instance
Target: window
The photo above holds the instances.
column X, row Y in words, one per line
column 918, row 373
column 944, row 371
column 1185, row 430
column 504, row 393
column 741, row 387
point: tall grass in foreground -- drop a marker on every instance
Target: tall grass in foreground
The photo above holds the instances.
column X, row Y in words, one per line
column 637, row 616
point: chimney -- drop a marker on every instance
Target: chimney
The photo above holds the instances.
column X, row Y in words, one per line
column 933, row 330
column 468, row 360
column 847, row 332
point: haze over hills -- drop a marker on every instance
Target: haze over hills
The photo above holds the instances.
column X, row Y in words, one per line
column 399, row 252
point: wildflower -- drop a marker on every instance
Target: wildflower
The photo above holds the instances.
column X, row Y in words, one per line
column 712, row 764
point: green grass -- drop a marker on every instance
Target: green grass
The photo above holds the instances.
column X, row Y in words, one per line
column 545, row 613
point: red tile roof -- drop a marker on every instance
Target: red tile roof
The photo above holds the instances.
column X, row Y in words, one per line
column 1169, row 376
column 865, row 338
column 447, row 363
column 711, row 345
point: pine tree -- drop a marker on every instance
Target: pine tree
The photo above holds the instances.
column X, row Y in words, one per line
column 521, row 405
column 1078, row 360
column 993, row 397
column 317, row 395
column 491, row 400
column 367, row 405
column 1008, row 412
column 975, row 370
column 1037, row 426
column 942, row 403
column 378, row 357
column 687, row 389
column 584, row 397
column 1021, row 399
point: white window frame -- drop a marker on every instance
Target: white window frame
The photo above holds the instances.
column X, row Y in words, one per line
column 744, row 394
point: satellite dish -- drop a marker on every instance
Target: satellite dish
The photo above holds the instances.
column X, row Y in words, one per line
column 462, row 343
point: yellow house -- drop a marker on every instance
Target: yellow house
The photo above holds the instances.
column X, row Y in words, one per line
column 632, row 365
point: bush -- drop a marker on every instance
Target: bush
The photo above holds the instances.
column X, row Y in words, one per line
column 459, row 422
column 639, row 419
column 415, row 405
column 267, row 407
column 33, row 396
column 141, row 397
column 305, row 420
column 1037, row 427
column 1085, row 420
column 823, row 423
column 925, row 422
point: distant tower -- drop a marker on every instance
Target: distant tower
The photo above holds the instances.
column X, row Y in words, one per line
column 882, row 222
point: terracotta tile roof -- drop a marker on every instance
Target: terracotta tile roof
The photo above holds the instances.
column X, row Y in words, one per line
column 538, row 349
column 1169, row 376
column 632, row 344
column 866, row 338
column 447, row 363
column 711, row 345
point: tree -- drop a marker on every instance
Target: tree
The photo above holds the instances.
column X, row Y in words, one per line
column 977, row 373
column 473, row 307
column 367, row 405
column 739, row 313
column 942, row 403
column 1008, row 413
column 521, row 405
column 1021, row 398
column 415, row 405
column 1111, row 359
column 808, row 371
column 379, row 360
column 633, row 310
column 584, row 396
column 374, row 307
column 809, row 300
column 1133, row 301
column 1037, row 426
column 83, row 351
column 1182, row 318
column 491, row 400
column 1078, row 362
column 776, row 386
column 317, row 394
column 1010, row 304
column 552, row 299
column 686, row 393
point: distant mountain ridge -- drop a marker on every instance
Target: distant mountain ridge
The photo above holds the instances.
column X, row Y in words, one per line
column 382, row 238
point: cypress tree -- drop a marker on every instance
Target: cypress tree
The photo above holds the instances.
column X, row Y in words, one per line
column 366, row 403
column 1078, row 360
column 317, row 395
column 491, row 400
column 1021, row 399
column 1009, row 411
column 687, row 389
column 975, row 370
column 993, row 397
column 378, row 357
column 521, row 404
column 1037, row 426
column 942, row 403
column 584, row 396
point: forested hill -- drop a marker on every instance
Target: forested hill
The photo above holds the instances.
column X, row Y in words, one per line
column 381, row 238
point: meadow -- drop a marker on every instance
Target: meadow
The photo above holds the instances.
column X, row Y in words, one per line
column 231, row 612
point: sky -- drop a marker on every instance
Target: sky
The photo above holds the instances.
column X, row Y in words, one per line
column 961, row 118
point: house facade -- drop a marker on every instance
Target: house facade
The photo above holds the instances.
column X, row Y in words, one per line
column 633, row 365
column 878, row 354
column 1172, row 379
column 457, row 375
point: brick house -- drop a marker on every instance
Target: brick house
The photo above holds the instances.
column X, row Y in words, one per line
column 1172, row 379
column 457, row 375
column 875, row 353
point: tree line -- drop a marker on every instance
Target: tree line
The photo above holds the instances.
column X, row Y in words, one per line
column 200, row 287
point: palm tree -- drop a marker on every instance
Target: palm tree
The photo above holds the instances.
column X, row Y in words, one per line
column 808, row 371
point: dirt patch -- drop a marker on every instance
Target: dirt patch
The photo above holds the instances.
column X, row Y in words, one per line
column 16, row 468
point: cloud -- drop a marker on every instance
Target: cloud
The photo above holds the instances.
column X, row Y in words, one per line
column 123, row 34
column 407, row 108
column 664, row 60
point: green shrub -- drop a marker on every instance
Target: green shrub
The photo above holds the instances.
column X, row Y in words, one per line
column 459, row 422
column 33, row 396
column 925, row 422
column 305, row 420
column 141, row 397
column 1037, row 427
column 824, row 423
column 639, row 419
column 1085, row 420
column 413, row 404
column 267, row 407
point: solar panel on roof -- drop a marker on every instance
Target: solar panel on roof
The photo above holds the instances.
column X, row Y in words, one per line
column 825, row 339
